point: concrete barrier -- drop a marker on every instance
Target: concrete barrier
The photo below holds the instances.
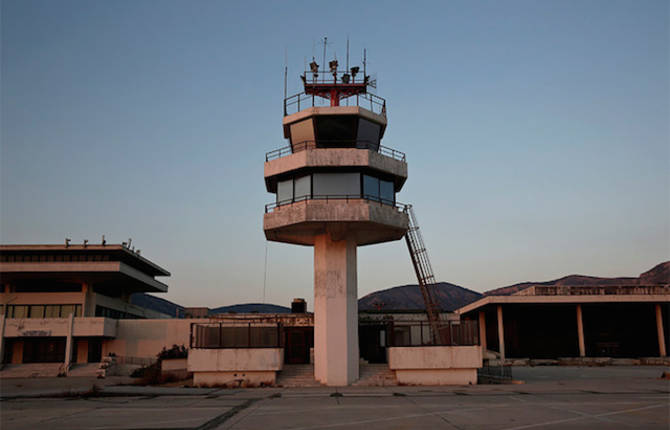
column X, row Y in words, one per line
column 435, row 365
column 235, row 367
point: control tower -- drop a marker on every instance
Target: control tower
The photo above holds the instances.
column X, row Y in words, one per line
column 335, row 187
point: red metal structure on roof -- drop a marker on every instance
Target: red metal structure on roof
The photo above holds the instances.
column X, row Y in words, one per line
column 341, row 86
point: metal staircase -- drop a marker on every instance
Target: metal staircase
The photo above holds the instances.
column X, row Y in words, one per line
column 424, row 272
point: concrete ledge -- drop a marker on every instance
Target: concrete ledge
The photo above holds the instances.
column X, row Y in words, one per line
column 366, row 221
column 309, row 159
column 437, row 376
column 235, row 379
column 174, row 367
column 435, row 357
column 58, row 327
column 235, row 359
column 332, row 110
column 436, row 365
column 236, row 367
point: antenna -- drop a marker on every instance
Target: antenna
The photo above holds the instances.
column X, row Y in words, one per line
column 364, row 63
column 285, row 71
column 347, row 52
column 325, row 41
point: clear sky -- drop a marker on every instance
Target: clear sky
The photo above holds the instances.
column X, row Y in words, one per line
column 536, row 132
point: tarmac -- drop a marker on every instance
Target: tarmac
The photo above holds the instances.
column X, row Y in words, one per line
column 613, row 397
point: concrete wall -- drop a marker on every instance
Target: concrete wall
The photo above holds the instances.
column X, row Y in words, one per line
column 235, row 379
column 58, row 327
column 435, row 365
column 146, row 338
column 235, row 359
column 437, row 376
column 241, row 366
column 174, row 367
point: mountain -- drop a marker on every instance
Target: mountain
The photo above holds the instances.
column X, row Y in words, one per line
column 408, row 298
column 157, row 304
column 251, row 308
column 659, row 275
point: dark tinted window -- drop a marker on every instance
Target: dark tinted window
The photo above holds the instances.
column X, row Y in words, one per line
column 368, row 135
column 386, row 192
column 370, row 187
column 336, row 131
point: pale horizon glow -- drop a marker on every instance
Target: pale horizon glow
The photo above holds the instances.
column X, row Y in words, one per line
column 537, row 135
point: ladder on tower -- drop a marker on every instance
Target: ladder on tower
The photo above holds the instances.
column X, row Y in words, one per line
column 424, row 273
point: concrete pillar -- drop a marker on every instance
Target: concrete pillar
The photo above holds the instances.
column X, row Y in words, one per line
column 482, row 331
column 501, row 334
column 580, row 332
column 2, row 339
column 88, row 307
column 659, row 331
column 335, row 311
column 68, row 343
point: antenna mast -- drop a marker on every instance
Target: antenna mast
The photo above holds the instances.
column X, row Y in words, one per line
column 325, row 41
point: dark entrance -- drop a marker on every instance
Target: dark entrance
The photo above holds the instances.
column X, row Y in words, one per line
column 94, row 350
column 372, row 342
column 43, row 350
column 9, row 349
column 298, row 341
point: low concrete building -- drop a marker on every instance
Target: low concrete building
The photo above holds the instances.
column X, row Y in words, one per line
column 551, row 322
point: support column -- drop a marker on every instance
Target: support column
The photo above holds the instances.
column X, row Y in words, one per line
column 482, row 331
column 659, row 331
column 580, row 331
column 335, row 311
column 501, row 334
column 2, row 339
column 68, row 344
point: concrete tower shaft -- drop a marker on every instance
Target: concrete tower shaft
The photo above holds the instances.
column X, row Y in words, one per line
column 335, row 187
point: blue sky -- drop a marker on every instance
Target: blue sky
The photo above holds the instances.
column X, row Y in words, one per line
column 537, row 134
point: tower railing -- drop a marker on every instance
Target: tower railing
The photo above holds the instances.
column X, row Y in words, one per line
column 401, row 207
column 300, row 101
column 313, row 144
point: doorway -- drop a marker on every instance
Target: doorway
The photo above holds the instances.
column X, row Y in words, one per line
column 94, row 350
column 298, row 341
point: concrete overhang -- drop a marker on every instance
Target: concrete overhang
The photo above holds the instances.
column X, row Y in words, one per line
column 310, row 160
column 366, row 221
column 82, row 271
column 59, row 327
column 114, row 251
column 333, row 110
column 576, row 299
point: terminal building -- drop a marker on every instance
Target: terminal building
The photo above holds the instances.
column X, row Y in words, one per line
column 59, row 303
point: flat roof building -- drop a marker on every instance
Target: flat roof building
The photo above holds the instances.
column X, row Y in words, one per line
column 574, row 321
column 55, row 299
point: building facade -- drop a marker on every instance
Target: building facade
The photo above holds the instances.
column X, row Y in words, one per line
column 59, row 303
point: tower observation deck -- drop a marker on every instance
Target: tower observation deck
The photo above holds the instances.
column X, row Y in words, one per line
column 335, row 189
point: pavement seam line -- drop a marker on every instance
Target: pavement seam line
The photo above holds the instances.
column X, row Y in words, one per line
column 220, row 419
column 566, row 420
